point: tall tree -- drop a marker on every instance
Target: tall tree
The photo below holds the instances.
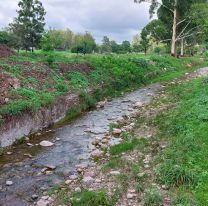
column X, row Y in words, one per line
column 30, row 23
column 177, row 12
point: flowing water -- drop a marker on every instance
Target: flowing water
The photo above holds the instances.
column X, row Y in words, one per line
column 72, row 146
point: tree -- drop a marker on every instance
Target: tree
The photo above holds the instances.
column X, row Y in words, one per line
column 84, row 43
column 29, row 25
column 115, row 48
column 106, row 45
column 176, row 11
column 126, row 46
column 145, row 41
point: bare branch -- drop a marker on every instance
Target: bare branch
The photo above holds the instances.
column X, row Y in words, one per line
column 183, row 29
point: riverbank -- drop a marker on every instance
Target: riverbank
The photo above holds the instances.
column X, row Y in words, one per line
column 33, row 85
column 161, row 159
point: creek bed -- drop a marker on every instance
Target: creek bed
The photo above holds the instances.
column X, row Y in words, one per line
column 72, row 142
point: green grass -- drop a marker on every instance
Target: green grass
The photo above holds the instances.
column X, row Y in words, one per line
column 124, row 147
column 88, row 198
column 111, row 75
column 184, row 163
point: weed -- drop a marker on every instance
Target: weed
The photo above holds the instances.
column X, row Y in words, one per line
column 152, row 197
column 184, row 200
column 88, row 198
column 176, row 175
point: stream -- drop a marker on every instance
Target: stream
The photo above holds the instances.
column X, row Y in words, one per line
column 72, row 143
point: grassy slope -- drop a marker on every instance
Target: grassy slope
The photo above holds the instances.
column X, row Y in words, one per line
column 185, row 163
column 117, row 73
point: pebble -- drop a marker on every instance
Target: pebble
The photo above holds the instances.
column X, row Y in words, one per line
column 9, row 183
column 46, row 144
column 67, row 182
column 97, row 153
column 73, row 177
column 88, row 180
column 115, row 173
column 29, row 144
column 116, row 131
column 43, row 202
column 34, row 197
column 130, row 196
column 78, row 189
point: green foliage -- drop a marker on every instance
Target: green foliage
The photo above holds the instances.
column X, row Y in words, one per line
column 87, row 101
column 185, row 162
column 29, row 25
column 184, row 200
column 124, row 147
column 73, row 112
column 78, row 80
column 4, row 37
column 176, row 175
column 88, row 198
column 153, row 197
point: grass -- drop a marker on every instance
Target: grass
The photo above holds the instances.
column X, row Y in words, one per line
column 184, row 163
column 152, row 197
column 110, row 75
column 124, row 147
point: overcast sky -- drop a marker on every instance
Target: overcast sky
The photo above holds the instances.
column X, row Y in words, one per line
column 118, row 19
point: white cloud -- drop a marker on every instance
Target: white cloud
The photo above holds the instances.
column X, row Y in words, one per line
column 118, row 19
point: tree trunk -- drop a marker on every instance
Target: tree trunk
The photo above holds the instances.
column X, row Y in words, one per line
column 174, row 35
column 182, row 47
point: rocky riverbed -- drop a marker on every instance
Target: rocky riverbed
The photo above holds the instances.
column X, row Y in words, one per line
column 29, row 169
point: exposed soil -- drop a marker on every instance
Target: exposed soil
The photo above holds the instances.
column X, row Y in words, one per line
column 5, row 51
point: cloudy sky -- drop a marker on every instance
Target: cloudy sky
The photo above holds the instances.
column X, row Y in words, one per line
column 118, row 19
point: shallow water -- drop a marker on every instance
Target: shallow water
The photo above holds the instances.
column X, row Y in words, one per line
column 75, row 138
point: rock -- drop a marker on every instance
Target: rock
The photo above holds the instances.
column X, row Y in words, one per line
column 101, row 104
column 104, row 141
column 43, row 202
column 9, row 183
column 50, row 167
column 116, row 131
column 97, row 153
column 73, row 177
column 67, row 182
column 88, row 180
column 46, row 144
column 28, row 155
column 78, row 189
column 115, row 173
column 130, row 196
column 138, row 105
column 90, row 174
column 98, row 181
column 82, row 166
column 44, row 197
column 30, row 145
column 34, row 197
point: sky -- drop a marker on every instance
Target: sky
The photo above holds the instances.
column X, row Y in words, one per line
column 118, row 19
